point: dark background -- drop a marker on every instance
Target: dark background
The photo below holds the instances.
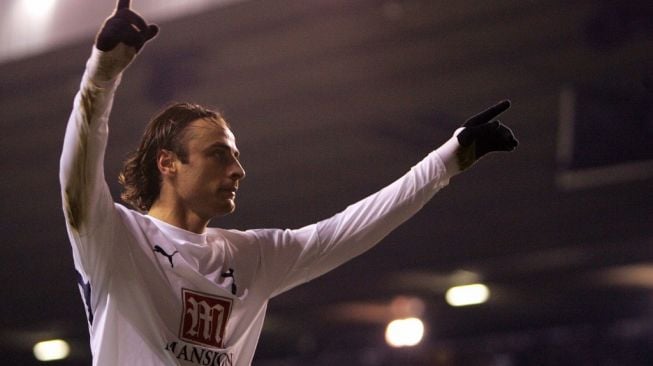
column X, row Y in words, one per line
column 332, row 100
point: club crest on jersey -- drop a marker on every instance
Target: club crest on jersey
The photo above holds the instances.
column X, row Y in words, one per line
column 204, row 318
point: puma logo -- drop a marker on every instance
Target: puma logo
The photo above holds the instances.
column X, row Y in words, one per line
column 158, row 249
column 230, row 273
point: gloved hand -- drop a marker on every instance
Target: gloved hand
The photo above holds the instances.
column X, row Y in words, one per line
column 125, row 26
column 480, row 135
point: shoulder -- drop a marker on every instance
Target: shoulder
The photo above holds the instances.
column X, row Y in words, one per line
column 257, row 236
column 234, row 236
column 128, row 213
column 134, row 221
column 253, row 239
column 275, row 239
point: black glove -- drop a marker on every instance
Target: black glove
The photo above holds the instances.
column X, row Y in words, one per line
column 125, row 26
column 481, row 135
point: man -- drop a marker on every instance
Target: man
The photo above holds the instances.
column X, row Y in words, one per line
column 163, row 288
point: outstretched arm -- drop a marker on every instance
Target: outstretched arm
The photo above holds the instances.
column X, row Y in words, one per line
column 323, row 246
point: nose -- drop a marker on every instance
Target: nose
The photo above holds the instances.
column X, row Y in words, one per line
column 237, row 170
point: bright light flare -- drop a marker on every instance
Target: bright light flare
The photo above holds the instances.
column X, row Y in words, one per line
column 406, row 332
column 467, row 295
column 38, row 9
column 55, row 349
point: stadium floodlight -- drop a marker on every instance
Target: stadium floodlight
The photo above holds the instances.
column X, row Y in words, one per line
column 51, row 350
column 406, row 332
column 38, row 9
column 465, row 295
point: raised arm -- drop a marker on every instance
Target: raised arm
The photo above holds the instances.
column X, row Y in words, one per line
column 81, row 175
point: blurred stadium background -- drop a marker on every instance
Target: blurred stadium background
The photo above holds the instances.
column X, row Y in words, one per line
column 330, row 101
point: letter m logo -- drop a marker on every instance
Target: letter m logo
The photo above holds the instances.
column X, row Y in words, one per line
column 204, row 318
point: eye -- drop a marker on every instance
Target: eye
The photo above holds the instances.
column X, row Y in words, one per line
column 221, row 154
column 224, row 156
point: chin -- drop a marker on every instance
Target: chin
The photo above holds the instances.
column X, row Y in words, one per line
column 224, row 211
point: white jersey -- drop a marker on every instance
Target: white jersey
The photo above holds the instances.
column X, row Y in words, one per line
column 156, row 294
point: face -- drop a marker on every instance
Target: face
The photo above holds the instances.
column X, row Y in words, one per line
column 207, row 182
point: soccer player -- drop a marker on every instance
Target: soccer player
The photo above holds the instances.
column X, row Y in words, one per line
column 160, row 287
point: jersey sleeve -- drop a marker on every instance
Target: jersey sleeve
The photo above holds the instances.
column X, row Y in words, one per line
column 88, row 206
column 292, row 257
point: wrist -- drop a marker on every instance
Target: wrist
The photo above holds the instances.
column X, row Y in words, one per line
column 448, row 154
column 105, row 67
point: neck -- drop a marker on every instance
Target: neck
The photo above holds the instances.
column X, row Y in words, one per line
column 177, row 217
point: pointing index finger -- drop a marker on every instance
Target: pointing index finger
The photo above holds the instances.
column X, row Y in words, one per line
column 123, row 4
column 488, row 114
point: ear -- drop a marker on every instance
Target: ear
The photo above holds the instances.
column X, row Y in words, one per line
column 166, row 162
